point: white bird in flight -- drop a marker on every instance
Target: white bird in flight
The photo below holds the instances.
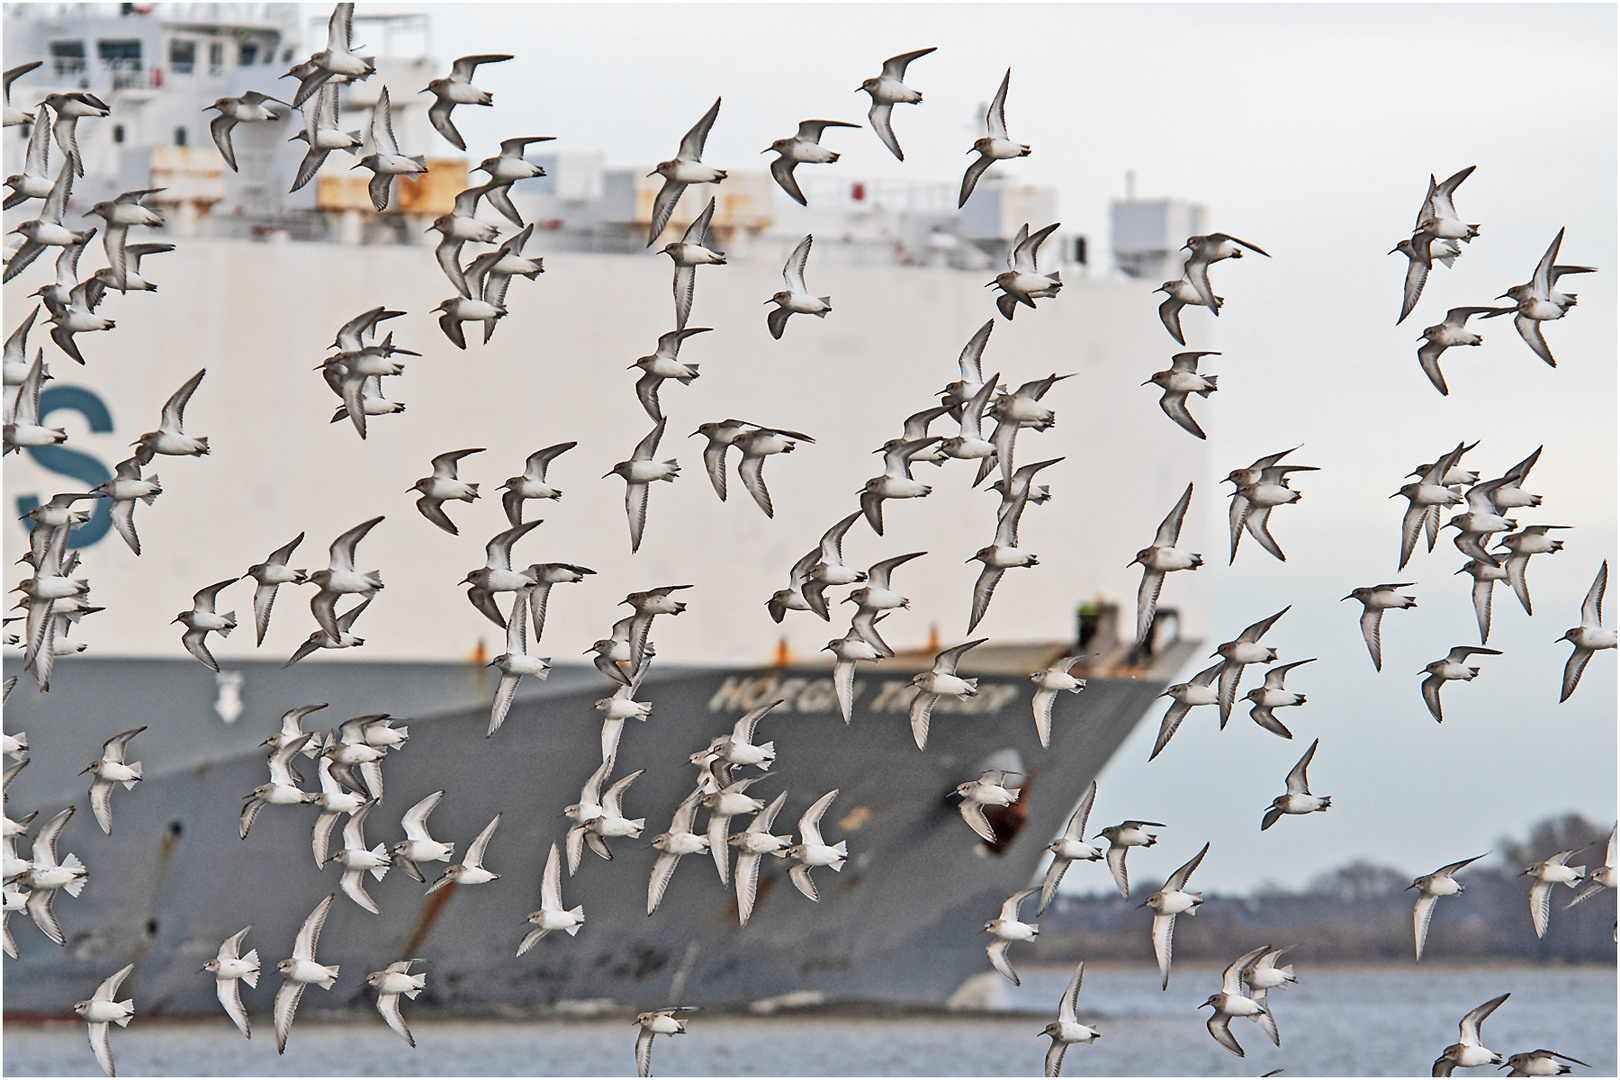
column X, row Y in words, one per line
column 1169, row 902
column 888, row 90
column 300, row 970
column 683, row 169
column 802, row 147
column 796, row 298
column 994, row 145
column 1431, row 887
column 103, row 1009
column 229, row 966
column 1298, row 798
column 111, row 770
column 1022, row 282
column 1468, row 1052
column 386, row 160
column 1589, row 637
column 457, row 89
column 1067, row 1029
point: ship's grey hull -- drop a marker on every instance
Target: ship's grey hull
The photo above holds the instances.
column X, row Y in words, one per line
column 901, row 923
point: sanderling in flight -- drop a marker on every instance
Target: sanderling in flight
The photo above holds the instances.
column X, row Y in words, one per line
column 457, row 89
column 230, row 965
column 994, row 146
column 1431, row 887
column 1007, row 928
column 1468, row 1052
column 1067, row 1028
column 111, row 770
column 888, row 90
column 1169, row 902
column 1298, row 799
column 103, row 1009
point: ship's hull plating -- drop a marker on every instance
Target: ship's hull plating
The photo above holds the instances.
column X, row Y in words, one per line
column 901, row 922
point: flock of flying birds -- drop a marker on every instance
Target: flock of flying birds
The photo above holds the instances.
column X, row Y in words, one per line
column 349, row 760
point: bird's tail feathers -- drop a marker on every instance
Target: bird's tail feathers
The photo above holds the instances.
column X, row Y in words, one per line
column 252, row 977
column 152, row 498
column 578, row 915
column 74, row 887
column 230, row 624
column 136, row 769
column 1211, row 388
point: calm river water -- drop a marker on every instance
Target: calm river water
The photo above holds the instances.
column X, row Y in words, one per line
column 1336, row 1021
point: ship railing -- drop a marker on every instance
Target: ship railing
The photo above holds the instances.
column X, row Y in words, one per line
column 125, row 74
column 69, row 67
column 900, row 196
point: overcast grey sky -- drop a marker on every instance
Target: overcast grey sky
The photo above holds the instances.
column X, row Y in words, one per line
column 1309, row 130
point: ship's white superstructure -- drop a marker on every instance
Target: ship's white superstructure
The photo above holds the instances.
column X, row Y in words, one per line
column 905, row 272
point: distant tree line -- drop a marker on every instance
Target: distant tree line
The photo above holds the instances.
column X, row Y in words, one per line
column 1362, row 912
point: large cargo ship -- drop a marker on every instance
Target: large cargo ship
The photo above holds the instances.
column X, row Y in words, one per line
column 901, row 923
column 255, row 290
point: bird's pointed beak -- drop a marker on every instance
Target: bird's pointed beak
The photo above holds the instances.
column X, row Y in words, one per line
column 88, row 768
column 1147, row 382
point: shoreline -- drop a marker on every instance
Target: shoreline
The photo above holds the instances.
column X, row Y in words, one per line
column 605, row 1011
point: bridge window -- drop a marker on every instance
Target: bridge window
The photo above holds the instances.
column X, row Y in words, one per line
column 67, row 58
